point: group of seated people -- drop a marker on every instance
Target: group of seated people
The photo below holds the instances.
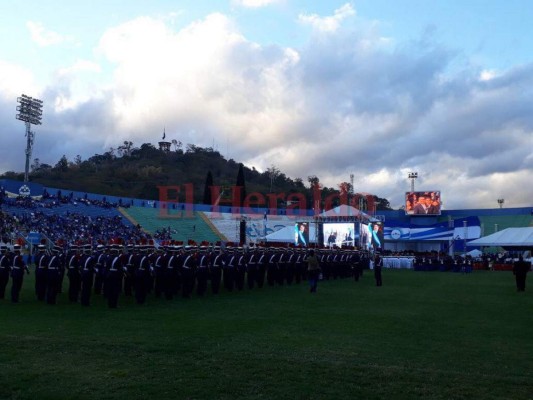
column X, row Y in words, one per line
column 164, row 234
column 69, row 227
column 48, row 200
column 69, row 199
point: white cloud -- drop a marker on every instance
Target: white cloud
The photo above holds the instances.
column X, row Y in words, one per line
column 44, row 37
column 487, row 75
column 329, row 23
column 80, row 66
column 76, row 84
column 15, row 80
column 344, row 103
column 206, row 78
column 255, row 3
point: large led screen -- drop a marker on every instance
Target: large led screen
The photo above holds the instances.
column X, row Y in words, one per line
column 372, row 236
column 339, row 234
column 301, row 234
column 423, row 203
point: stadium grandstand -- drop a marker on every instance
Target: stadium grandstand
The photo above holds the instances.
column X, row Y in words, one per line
column 43, row 214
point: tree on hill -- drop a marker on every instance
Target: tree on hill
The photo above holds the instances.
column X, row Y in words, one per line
column 137, row 172
column 241, row 184
column 62, row 164
column 207, row 188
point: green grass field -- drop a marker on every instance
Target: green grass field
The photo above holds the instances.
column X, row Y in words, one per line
column 423, row 335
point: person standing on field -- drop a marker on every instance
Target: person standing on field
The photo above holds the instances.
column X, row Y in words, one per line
column 18, row 267
column 5, row 268
column 378, row 265
column 313, row 270
column 520, row 270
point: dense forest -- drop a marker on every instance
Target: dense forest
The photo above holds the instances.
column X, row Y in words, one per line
column 130, row 171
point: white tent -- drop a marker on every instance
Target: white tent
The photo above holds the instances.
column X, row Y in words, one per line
column 475, row 253
column 344, row 210
column 510, row 237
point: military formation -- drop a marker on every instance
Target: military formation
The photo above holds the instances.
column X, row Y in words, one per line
column 167, row 271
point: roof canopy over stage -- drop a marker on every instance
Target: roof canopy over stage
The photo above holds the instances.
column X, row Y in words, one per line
column 345, row 210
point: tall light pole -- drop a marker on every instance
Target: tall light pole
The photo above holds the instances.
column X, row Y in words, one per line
column 413, row 176
column 500, row 202
column 350, row 192
column 30, row 111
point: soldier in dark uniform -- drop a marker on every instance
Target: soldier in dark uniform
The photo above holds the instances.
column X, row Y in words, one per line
column 335, row 264
column 73, row 274
column 5, row 267
column 18, row 267
column 128, row 260
column 365, row 263
column 297, row 266
column 271, row 266
column 303, row 253
column 113, row 278
column 328, row 265
column 88, row 269
column 357, row 263
column 202, row 272
column 142, row 271
column 52, row 275
column 229, row 271
column 159, row 273
column 62, row 268
column 240, row 271
column 323, row 260
column 261, row 267
column 171, row 272
column 251, row 267
column 178, row 279
column 101, row 260
column 520, row 270
column 188, row 270
column 289, row 266
column 152, row 255
column 344, row 264
column 281, row 266
column 378, row 266
column 215, row 272
column 41, row 262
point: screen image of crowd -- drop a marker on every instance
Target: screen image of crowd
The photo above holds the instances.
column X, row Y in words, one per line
column 423, row 203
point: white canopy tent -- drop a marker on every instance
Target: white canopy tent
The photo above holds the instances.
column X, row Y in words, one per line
column 344, row 210
column 510, row 237
column 475, row 253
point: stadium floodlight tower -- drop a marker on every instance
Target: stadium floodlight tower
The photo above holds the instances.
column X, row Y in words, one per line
column 500, row 202
column 413, row 176
column 30, row 111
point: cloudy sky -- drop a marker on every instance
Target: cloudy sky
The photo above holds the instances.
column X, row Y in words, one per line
column 373, row 88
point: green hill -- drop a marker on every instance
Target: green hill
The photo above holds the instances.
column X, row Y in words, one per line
column 137, row 172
